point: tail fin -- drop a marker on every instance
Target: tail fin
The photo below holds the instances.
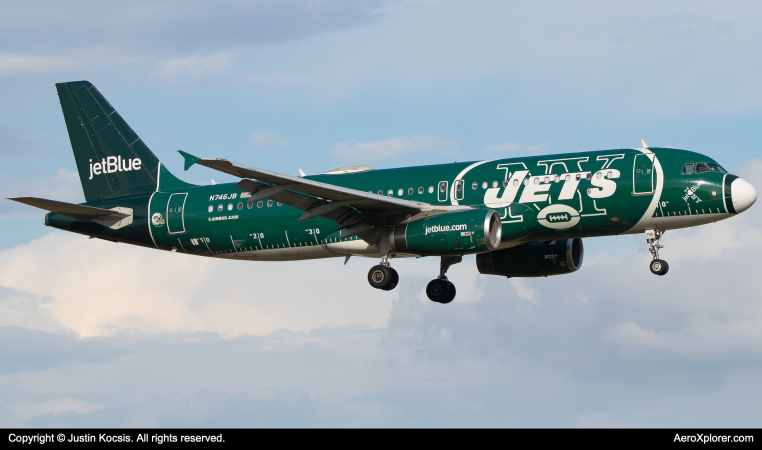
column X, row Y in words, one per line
column 111, row 159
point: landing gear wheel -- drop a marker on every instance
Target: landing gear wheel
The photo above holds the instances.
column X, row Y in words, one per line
column 659, row 267
column 380, row 277
column 394, row 281
column 439, row 291
column 450, row 297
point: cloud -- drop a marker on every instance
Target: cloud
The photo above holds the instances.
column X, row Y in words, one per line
column 265, row 139
column 175, row 25
column 273, row 408
column 24, row 350
column 369, row 151
column 197, row 67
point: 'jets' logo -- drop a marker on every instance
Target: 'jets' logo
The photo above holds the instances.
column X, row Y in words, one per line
column 157, row 219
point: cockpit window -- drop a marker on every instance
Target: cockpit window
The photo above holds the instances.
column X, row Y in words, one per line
column 717, row 168
column 688, row 169
column 701, row 168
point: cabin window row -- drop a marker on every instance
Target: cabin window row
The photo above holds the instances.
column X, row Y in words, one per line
column 230, row 206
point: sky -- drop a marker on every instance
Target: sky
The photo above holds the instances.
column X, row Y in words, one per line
column 102, row 334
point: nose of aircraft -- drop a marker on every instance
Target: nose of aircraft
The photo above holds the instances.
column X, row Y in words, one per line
column 742, row 194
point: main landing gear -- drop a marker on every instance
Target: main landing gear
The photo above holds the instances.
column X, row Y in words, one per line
column 441, row 290
column 383, row 276
column 657, row 266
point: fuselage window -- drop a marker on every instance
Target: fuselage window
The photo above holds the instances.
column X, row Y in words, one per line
column 442, row 187
column 579, row 177
column 431, row 189
column 420, row 190
column 589, row 176
column 249, row 205
column 609, row 175
column 547, row 179
column 537, row 180
column 269, row 203
column 279, row 203
column 526, row 181
column 484, row 185
column 688, row 169
column 568, row 178
column 599, row 175
column 240, row 205
column 458, row 186
column 230, row 206
column 474, row 185
column 515, row 182
column 409, row 191
column 380, row 192
column 390, row 192
column 211, row 208
column 701, row 168
column 494, row 184
column 557, row 179
column 259, row 204
column 505, row 183
column 219, row 207
column 399, row 192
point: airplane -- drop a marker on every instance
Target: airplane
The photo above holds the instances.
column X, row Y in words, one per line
column 521, row 217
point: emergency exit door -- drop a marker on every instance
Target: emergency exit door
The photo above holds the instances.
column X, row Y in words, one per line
column 176, row 213
column 643, row 177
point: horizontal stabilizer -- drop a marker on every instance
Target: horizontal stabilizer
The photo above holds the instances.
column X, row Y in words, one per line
column 73, row 210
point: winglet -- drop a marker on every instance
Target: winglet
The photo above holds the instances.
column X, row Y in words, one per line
column 641, row 141
column 189, row 159
column 301, row 173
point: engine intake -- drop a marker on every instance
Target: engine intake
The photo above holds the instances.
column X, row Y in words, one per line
column 459, row 232
column 536, row 259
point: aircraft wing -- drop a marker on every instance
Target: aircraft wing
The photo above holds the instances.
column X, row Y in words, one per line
column 73, row 210
column 348, row 207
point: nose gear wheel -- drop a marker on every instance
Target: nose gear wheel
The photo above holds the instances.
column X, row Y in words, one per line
column 653, row 237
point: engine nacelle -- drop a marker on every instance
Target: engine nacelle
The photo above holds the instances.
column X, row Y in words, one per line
column 536, row 259
column 459, row 232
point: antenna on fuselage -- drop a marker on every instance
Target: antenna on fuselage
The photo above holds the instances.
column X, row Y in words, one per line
column 644, row 143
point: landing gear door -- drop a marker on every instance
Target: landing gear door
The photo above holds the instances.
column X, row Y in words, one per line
column 643, row 177
column 442, row 191
column 176, row 213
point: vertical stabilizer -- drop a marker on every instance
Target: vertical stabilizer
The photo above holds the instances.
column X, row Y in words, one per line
column 111, row 159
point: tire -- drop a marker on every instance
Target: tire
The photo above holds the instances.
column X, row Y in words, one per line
column 379, row 277
column 666, row 268
column 658, row 267
column 438, row 290
column 395, row 280
column 451, row 296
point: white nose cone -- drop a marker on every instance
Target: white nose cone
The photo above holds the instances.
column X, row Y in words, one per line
column 742, row 194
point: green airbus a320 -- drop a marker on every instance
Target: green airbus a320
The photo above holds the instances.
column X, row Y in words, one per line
column 522, row 217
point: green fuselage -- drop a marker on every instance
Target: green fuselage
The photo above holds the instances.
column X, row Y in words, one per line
column 538, row 198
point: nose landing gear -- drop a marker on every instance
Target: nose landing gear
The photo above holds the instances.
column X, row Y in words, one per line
column 383, row 276
column 441, row 290
column 657, row 266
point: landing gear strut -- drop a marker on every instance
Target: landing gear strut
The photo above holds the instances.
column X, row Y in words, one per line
column 657, row 266
column 441, row 290
column 383, row 276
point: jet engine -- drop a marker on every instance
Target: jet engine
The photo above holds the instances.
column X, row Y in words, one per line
column 536, row 259
column 460, row 232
